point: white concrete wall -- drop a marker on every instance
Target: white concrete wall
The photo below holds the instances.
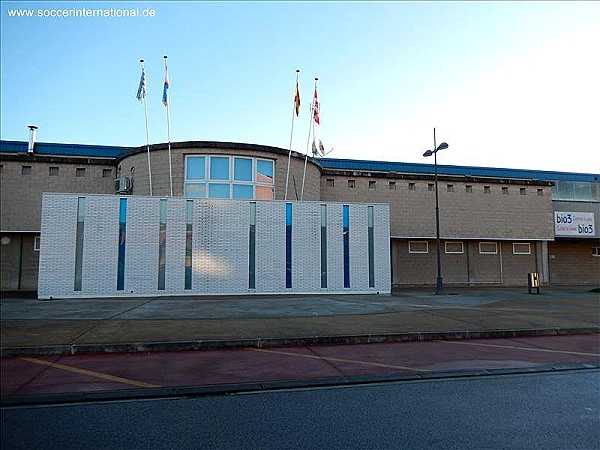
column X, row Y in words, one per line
column 220, row 247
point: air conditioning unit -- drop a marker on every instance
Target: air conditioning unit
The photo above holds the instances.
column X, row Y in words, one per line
column 123, row 185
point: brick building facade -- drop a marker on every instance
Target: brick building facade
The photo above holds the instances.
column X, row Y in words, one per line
column 496, row 225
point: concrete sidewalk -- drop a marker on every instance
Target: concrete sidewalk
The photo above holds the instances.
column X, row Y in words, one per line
column 71, row 326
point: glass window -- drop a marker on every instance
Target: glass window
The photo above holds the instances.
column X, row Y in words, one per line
column 372, row 184
column 392, row 185
column 488, row 248
column 80, row 172
column 53, row 171
column 418, row 247
column 595, row 191
column 36, row 243
column 218, row 190
column 243, row 191
column 564, row 190
column 412, row 186
column 521, row 248
column 582, row 191
column 454, row 247
column 25, row 170
column 219, row 167
column 195, row 190
column 106, row 173
column 351, row 184
column 468, row 188
column 264, row 171
column 232, row 176
column 523, row 191
column 195, row 168
column 242, row 169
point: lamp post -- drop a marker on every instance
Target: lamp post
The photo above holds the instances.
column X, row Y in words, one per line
column 439, row 286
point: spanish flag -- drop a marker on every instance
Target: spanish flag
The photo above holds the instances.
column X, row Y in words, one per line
column 297, row 100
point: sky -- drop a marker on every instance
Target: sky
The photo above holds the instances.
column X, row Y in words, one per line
column 505, row 84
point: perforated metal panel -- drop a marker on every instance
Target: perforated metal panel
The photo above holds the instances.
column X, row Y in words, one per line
column 220, row 247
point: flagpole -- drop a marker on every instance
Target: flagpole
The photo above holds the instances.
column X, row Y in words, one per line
column 310, row 127
column 287, row 176
column 168, row 128
column 147, row 131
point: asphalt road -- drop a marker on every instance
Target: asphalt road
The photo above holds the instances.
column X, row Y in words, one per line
column 544, row 410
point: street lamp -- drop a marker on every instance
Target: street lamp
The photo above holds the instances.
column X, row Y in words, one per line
column 439, row 286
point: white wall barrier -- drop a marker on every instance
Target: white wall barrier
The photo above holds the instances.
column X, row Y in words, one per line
column 105, row 245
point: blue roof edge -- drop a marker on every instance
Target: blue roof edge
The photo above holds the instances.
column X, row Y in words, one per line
column 497, row 172
column 107, row 151
column 50, row 148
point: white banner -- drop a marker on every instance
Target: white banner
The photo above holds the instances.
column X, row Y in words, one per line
column 573, row 224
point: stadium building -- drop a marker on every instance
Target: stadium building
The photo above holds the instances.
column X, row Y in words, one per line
column 79, row 220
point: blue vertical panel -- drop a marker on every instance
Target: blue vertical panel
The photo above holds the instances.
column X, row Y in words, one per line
column 323, row 246
column 188, row 243
column 346, row 234
column 371, row 247
column 122, row 240
column 252, row 248
column 79, row 243
column 288, row 245
column 162, row 244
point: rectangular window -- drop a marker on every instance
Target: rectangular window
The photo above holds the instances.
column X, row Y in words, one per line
column 521, row 248
column 582, row 191
column 323, row 246
column 504, row 190
column 218, row 190
column 122, row 241
column 392, row 185
column 80, row 172
column 371, row 246
column 430, row 187
column 351, row 184
column 288, row 245
column 79, row 244
column 469, row 188
column 25, row 170
column 488, row 248
column 330, row 182
column 36, row 243
column 540, row 192
column 346, row 244
column 454, row 247
column 522, row 191
column 264, row 171
column 242, row 169
column 195, row 190
column 219, row 167
column 412, row 186
column 244, row 191
column 189, row 215
column 252, row 248
column 230, row 176
column 162, row 244
column 487, row 190
column 449, row 188
column 372, row 184
column 106, row 173
column 418, row 247
column 564, row 190
column 53, row 171
column 195, row 168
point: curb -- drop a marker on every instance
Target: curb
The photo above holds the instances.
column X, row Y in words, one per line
column 213, row 344
column 229, row 389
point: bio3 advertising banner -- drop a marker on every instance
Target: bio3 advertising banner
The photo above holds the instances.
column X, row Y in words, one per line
column 573, row 224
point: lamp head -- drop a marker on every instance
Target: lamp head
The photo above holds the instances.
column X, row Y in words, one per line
column 442, row 146
column 428, row 153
